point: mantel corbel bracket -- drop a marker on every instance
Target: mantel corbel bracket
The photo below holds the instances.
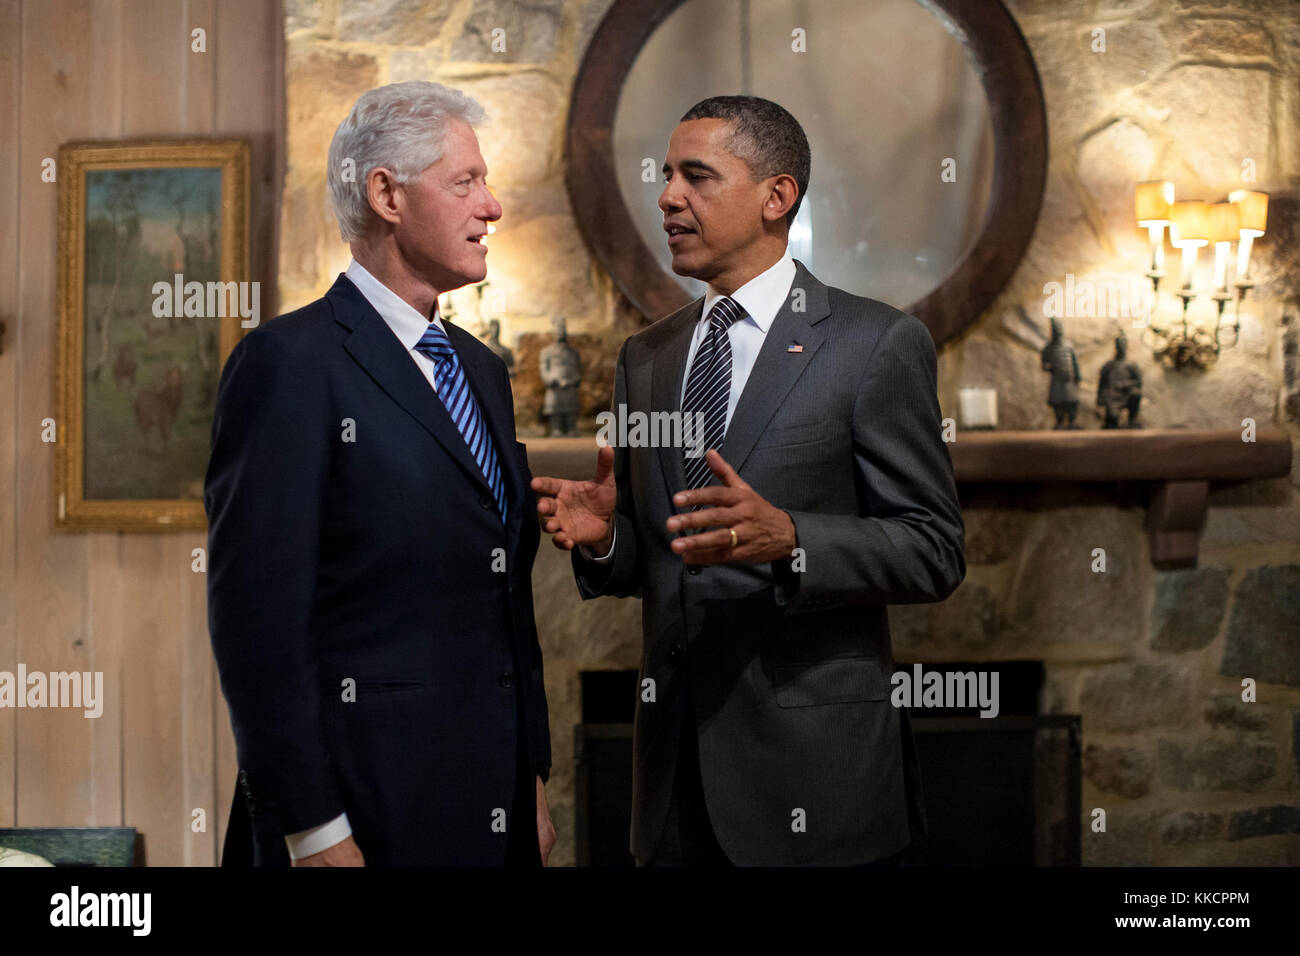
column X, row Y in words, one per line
column 1175, row 518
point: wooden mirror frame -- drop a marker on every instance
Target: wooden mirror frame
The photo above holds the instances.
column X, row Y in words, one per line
column 1017, row 111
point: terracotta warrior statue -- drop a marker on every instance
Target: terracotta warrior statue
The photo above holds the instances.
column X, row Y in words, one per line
column 503, row 352
column 1120, row 387
column 561, row 374
column 1060, row 361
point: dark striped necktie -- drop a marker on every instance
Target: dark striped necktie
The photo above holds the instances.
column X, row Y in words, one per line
column 708, row 389
column 454, row 390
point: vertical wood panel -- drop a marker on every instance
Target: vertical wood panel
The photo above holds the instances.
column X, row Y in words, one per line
column 104, row 599
column 53, row 745
column 10, row 149
column 156, row 42
column 127, row 605
column 198, row 738
column 250, row 105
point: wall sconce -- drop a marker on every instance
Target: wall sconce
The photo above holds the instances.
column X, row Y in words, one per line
column 1152, row 208
column 1193, row 224
column 1224, row 225
column 1189, row 229
column 1252, row 209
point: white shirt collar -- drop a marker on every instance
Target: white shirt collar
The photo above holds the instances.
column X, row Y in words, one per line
column 763, row 295
column 407, row 324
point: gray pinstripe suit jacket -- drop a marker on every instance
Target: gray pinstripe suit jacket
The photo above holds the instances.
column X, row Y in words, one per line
column 790, row 671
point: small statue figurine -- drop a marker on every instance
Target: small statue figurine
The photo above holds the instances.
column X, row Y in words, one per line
column 1120, row 387
column 1063, row 365
column 493, row 341
column 561, row 373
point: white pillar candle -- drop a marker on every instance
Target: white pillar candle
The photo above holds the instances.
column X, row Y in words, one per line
column 1221, row 252
column 979, row 407
column 1243, row 255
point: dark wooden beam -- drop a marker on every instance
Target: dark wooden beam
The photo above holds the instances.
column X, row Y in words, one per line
column 1154, row 454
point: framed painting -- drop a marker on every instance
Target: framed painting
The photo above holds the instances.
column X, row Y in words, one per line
column 153, row 295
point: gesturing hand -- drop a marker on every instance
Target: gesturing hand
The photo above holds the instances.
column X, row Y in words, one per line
column 580, row 512
column 762, row 531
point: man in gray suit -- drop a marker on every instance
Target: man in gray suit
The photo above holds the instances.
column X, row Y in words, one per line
column 764, row 730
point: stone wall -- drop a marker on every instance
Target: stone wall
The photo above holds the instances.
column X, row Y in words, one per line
column 538, row 266
column 1186, row 771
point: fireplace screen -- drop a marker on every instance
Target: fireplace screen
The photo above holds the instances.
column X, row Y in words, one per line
column 1002, row 791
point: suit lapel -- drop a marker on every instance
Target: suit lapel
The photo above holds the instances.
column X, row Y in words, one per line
column 377, row 350
column 666, row 384
column 777, row 369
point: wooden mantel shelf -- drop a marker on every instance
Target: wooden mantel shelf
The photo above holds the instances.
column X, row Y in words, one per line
column 1141, row 454
column 1179, row 463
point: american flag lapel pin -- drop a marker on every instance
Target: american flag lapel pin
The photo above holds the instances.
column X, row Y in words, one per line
column 796, row 347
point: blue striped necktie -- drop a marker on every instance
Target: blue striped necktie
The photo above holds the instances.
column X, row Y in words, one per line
column 708, row 390
column 454, row 390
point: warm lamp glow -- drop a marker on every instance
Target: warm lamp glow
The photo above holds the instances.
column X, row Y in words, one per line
column 1192, row 224
column 1189, row 224
column 1152, row 202
column 1253, row 208
column 1224, row 222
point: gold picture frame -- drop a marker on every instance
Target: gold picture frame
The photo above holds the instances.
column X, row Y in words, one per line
column 138, row 363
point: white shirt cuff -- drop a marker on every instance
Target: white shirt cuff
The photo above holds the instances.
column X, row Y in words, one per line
column 309, row 842
column 607, row 557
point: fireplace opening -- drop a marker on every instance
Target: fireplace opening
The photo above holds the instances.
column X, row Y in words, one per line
column 999, row 791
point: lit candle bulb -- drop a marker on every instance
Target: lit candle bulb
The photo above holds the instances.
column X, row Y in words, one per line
column 1252, row 209
column 1188, row 231
column 1225, row 224
column 1152, row 201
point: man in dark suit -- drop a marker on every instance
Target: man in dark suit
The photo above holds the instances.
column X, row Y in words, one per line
column 372, row 535
column 764, row 729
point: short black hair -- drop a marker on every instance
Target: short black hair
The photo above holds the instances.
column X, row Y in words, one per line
column 764, row 135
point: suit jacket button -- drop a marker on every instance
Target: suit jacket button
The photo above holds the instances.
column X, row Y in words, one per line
column 675, row 652
column 694, row 569
column 486, row 503
column 507, row 680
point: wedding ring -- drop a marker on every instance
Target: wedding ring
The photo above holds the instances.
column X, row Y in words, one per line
column 733, row 536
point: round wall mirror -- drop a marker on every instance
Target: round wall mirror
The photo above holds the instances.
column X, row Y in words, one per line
column 925, row 120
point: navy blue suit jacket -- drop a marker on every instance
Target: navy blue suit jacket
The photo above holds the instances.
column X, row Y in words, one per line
column 353, row 542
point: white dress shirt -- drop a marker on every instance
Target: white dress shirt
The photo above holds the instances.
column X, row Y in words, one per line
column 407, row 324
column 409, row 327
column 762, row 298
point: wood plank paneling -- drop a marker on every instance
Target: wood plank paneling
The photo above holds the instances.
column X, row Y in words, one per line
column 103, row 605
column 197, row 739
column 126, row 604
column 156, row 38
column 10, row 159
column 53, row 745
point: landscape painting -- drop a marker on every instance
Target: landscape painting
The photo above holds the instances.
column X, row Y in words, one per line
column 154, row 295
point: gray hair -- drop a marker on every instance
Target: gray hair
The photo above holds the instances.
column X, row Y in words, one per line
column 403, row 127
column 765, row 136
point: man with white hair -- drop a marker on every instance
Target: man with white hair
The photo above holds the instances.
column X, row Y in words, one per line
column 372, row 535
